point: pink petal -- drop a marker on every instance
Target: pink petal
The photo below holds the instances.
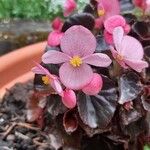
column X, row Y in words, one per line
column 137, row 65
column 140, row 3
column 69, row 98
column 75, row 77
column 69, row 7
column 39, row 69
column 147, row 6
column 117, row 37
column 54, row 38
column 127, row 28
column 131, row 48
column 99, row 22
column 111, row 7
column 97, row 59
column 78, row 41
column 115, row 53
column 108, row 37
column 55, row 57
column 54, row 82
column 113, row 22
column 57, row 24
column 57, row 87
column 122, row 64
column 95, row 86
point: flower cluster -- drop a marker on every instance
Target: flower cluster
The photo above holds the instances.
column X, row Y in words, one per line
column 77, row 57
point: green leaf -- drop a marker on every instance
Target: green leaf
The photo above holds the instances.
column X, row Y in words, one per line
column 147, row 147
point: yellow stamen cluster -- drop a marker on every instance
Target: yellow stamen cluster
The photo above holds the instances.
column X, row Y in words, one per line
column 101, row 12
column 119, row 57
column 76, row 61
column 45, row 80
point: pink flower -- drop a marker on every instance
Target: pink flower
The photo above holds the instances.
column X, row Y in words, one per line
column 129, row 51
column 69, row 98
column 99, row 22
column 147, row 10
column 78, row 45
column 49, row 78
column 143, row 4
column 111, row 23
column 95, row 86
column 140, row 3
column 55, row 36
column 106, row 9
column 69, row 7
column 57, row 24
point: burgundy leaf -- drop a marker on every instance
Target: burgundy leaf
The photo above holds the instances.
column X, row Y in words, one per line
column 70, row 121
column 35, row 107
column 129, row 116
column 102, row 46
column 146, row 98
column 97, row 111
column 142, row 29
column 88, row 9
column 55, row 105
column 84, row 19
column 129, row 87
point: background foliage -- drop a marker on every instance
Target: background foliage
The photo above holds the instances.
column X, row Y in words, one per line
column 33, row 9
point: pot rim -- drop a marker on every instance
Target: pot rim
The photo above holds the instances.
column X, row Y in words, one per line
column 15, row 66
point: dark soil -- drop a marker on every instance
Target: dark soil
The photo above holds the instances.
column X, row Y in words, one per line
column 18, row 134
column 15, row 132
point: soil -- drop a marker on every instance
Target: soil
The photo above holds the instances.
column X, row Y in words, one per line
column 15, row 132
column 18, row 134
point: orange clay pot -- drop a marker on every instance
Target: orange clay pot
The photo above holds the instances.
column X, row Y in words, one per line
column 16, row 66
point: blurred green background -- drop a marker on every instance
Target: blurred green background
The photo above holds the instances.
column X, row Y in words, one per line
column 34, row 9
column 24, row 22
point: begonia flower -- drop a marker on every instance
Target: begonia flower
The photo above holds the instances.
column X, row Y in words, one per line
column 69, row 7
column 111, row 23
column 128, row 51
column 69, row 98
column 55, row 36
column 49, row 79
column 57, row 24
column 95, row 86
column 143, row 4
column 106, row 9
column 98, row 23
column 78, row 45
column 140, row 3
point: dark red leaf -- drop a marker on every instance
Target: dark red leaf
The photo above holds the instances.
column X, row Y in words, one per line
column 84, row 19
column 70, row 121
column 129, row 87
column 97, row 111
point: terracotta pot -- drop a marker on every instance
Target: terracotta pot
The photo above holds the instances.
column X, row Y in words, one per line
column 16, row 66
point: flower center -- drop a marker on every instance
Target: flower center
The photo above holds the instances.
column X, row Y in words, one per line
column 46, row 80
column 76, row 61
column 101, row 12
column 119, row 57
